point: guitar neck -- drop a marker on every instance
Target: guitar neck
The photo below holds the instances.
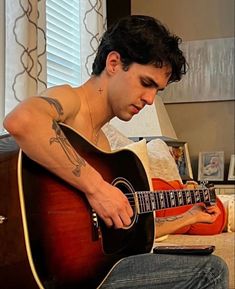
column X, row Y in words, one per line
column 151, row 201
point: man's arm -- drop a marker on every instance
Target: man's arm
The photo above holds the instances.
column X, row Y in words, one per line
column 34, row 125
column 197, row 214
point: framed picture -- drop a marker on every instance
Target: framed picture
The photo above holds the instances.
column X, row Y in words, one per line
column 231, row 172
column 214, row 84
column 211, row 166
column 179, row 150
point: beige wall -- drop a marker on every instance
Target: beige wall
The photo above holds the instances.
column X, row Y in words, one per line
column 206, row 126
column 191, row 19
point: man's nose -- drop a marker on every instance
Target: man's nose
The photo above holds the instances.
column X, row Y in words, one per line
column 149, row 97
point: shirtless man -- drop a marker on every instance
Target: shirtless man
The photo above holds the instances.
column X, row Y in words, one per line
column 136, row 58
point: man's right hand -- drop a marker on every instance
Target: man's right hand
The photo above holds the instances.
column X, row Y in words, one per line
column 111, row 205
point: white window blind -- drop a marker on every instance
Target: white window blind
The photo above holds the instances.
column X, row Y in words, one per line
column 63, row 42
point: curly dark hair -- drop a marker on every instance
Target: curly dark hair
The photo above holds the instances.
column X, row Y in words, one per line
column 143, row 40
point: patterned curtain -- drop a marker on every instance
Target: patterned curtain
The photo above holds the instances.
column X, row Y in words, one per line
column 25, row 53
column 92, row 28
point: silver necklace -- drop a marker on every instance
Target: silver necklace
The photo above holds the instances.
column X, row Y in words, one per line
column 95, row 135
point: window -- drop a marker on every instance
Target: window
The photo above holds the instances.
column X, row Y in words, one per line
column 63, row 42
column 73, row 29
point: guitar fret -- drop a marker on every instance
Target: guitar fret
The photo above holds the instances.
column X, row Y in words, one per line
column 162, row 200
column 157, row 200
column 176, row 198
column 192, row 197
column 202, row 195
column 206, row 196
column 141, row 203
column 197, row 196
column 188, row 198
column 152, row 201
column 184, row 199
column 144, row 203
column 180, row 198
column 166, row 200
column 172, row 199
column 147, row 202
column 169, row 199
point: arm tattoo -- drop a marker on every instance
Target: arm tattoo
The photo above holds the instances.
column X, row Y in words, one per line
column 161, row 221
column 55, row 103
column 69, row 151
column 61, row 139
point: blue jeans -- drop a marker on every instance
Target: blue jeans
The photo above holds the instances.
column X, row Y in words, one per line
column 160, row 271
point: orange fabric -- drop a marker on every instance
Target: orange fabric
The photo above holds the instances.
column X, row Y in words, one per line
column 211, row 229
column 159, row 184
column 196, row 229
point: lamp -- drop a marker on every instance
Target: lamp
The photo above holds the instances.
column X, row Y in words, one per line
column 152, row 122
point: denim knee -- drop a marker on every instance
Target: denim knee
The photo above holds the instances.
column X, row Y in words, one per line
column 219, row 273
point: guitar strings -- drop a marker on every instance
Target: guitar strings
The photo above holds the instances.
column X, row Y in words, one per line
column 201, row 193
column 168, row 191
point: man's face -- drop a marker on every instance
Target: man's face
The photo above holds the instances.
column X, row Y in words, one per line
column 129, row 91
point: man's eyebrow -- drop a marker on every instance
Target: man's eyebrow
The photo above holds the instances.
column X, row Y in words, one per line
column 154, row 83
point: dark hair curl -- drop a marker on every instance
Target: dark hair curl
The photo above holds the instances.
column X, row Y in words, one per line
column 144, row 40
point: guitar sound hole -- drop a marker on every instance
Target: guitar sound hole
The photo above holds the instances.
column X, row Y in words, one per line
column 128, row 190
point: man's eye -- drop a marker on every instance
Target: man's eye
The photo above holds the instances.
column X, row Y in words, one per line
column 146, row 83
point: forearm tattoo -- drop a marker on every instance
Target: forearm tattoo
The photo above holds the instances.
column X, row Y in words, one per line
column 161, row 221
column 71, row 154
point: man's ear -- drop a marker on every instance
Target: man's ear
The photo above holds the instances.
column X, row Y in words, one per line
column 113, row 62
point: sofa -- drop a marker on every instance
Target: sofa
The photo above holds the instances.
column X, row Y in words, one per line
column 159, row 163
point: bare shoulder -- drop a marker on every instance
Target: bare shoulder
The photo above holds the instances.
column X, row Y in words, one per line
column 58, row 91
column 65, row 97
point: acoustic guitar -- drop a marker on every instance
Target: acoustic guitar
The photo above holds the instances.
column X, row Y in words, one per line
column 50, row 236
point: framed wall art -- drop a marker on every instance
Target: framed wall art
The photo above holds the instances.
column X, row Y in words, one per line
column 210, row 75
column 231, row 172
column 211, row 166
column 180, row 153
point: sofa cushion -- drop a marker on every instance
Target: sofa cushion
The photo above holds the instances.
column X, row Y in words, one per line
column 228, row 202
column 161, row 162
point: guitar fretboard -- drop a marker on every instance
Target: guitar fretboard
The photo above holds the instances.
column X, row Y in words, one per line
column 151, row 201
